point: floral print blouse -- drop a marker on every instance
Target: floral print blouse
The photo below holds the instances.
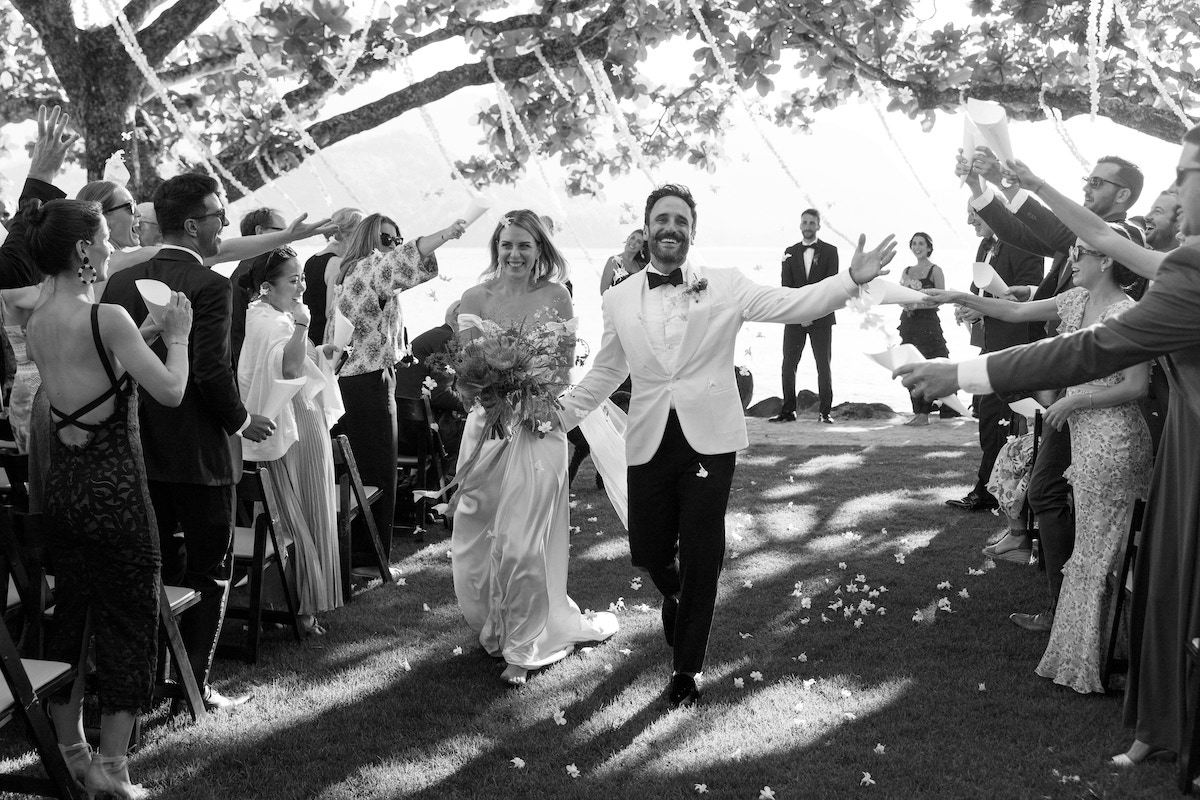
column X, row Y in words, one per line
column 367, row 297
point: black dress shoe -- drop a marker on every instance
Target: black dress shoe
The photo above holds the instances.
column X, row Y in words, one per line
column 828, row 420
column 783, row 416
column 682, row 691
column 215, row 701
column 670, row 610
column 974, row 502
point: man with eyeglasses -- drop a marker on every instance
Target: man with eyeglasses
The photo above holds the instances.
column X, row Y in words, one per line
column 193, row 457
column 255, row 223
column 1165, row 325
column 147, row 225
column 1019, row 220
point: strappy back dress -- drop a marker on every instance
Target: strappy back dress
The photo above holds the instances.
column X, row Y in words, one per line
column 105, row 544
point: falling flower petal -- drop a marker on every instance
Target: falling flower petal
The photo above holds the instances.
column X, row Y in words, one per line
column 847, row 693
column 866, row 780
column 518, row 763
column 841, row 565
column 809, row 682
column 701, row 788
column 849, row 716
column 573, row 770
column 592, row 519
column 983, row 687
column 625, row 651
column 738, row 683
column 766, row 793
column 802, row 657
column 703, row 473
column 406, row 666
column 756, row 676
column 748, row 584
column 944, row 585
column 879, row 749
column 457, row 651
column 746, row 635
column 425, row 607
column 899, row 558
column 806, row 602
column 402, row 582
column 560, row 717
column 804, row 621
column 964, row 594
column 858, row 623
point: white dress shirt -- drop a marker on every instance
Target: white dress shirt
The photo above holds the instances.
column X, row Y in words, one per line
column 665, row 315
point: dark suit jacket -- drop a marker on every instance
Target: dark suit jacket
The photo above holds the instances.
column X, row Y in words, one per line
column 16, row 265
column 825, row 263
column 1015, row 267
column 241, row 300
column 191, row 443
column 411, row 377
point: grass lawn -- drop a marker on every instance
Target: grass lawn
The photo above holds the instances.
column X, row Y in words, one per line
column 817, row 672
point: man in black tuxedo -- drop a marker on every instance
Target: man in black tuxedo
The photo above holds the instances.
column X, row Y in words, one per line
column 193, row 459
column 806, row 262
column 1015, row 267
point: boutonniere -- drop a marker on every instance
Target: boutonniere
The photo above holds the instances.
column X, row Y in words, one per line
column 695, row 287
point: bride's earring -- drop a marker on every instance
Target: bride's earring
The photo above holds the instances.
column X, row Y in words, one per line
column 262, row 291
column 86, row 265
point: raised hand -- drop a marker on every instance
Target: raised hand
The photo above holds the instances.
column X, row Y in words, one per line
column 456, row 230
column 177, row 319
column 866, row 266
column 930, row 379
column 300, row 313
column 1018, row 293
column 52, row 144
column 985, row 164
column 299, row 229
column 259, row 428
column 1025, row 176
column 942, row 296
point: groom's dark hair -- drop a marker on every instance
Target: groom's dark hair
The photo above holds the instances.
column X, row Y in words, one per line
column 671, row 190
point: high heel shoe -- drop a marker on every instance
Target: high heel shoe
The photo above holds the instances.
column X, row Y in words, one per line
column 79, row 759
column 109, row 777
column 1126, row 761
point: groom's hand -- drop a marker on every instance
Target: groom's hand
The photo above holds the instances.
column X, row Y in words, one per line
column 865, row 267
column 930, row 379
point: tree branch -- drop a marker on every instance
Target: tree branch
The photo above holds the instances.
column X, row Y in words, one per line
column 137, row 11
column 194, row 71
column 173, row 26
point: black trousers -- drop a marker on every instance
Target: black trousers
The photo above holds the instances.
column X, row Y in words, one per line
column 821, row 338
column 677, row 504
column 992, row 411
column 370, row 425
column 197, row 556
column 1050, row 500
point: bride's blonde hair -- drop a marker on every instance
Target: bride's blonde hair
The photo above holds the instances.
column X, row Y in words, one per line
column 550, row 264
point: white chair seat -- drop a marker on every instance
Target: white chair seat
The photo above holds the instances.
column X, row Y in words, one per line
column 40, row 673
column 14, row 599
column 243, row 543
column 178, row 596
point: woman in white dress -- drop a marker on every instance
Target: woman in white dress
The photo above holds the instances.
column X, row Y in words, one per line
column 512, row 523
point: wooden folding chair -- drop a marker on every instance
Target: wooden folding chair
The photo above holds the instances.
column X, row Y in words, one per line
column 355, row 500
column 1120, row 590
column 1189, row 752
column 26, row 682
column 30, row 589
column 256, row 547
column 173, row 601
column 14, row 477
column 421, row 469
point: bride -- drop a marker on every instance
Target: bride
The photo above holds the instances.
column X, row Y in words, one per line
column 512, row 524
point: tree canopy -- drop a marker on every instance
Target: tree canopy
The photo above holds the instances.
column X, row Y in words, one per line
column 788, row 59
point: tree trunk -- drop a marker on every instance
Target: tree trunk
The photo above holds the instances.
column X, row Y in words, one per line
column 106, row 101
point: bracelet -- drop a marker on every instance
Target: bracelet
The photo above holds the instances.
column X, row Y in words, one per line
column 301, row 324
column 183, row 342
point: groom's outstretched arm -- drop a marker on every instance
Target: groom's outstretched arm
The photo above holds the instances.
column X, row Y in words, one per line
column 804, row 304
column 607, row 372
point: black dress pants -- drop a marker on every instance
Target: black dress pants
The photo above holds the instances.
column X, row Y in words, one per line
column 821, row 338
column 370, row 426
column 677, row 504
column 1049, row 497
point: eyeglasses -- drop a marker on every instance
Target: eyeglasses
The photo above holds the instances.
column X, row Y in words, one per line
column 127, row 206
column 1075, row 251
column 391, row 241
column 219, row 214
column 1180, row 172
column 1095, row 181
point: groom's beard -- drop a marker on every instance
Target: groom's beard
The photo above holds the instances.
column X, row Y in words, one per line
column 668, row 256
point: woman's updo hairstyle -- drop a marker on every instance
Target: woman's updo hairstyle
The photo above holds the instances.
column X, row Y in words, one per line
column 1130, row 282
column 266, row 268
column 54, row 228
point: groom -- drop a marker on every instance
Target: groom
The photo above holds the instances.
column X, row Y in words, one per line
column 672, row 326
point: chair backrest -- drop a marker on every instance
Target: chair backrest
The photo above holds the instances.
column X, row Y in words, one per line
column 16, row 470
column 430, row 448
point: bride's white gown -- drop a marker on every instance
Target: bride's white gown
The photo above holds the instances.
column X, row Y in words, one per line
column 510, row 549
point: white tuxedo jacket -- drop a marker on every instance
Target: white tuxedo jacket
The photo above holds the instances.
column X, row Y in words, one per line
column 701, row 386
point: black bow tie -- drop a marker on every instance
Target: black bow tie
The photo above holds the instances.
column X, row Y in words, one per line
column 808, row 246
column 674, row 277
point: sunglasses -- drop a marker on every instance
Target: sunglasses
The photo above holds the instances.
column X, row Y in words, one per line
column 219, row 214
column 391, row 241
column 1075, row 252
column 127, row 206
column 1095, row 181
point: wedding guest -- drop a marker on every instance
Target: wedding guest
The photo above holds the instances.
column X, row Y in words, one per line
column 1110, row 457
column 1015, row 267
column 193, row 459
column 16, row 306
column 316, row 293
column 1017, row 219
column 148, row 233
column 255, row 223
column 919, row 323
column 416, row 378
column 298, row 454
column 102, row 532
column 805, row 263
column 630, row 260
column 378, row 264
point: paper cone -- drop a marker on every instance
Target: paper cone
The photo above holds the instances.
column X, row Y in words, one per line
column 881, row 292
column 970, row 142
column 115, row 169
column 952, row 401
column 280, row 394
column 343, row 329
column 992, row 122
column 987, row 280
column 156, row 295
column 1027, row 407
column 479, row 206
column 903, row 354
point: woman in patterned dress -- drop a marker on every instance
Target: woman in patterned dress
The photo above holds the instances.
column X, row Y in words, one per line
column 94, row 492
column 378, row 265
column 1110, row 458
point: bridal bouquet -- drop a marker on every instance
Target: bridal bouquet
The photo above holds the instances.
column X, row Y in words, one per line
column 515, row 373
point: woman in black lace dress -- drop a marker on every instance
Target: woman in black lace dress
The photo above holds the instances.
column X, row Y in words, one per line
column 93, row 489
column 919, row 323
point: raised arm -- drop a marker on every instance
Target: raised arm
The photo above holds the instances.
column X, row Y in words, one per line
column 242, row 248
column 1006, row 310
column 166, row 382
column 427, row 244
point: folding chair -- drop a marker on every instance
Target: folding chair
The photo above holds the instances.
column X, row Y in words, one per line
column 421, row 469
column 1120, row 590
column 26, row 682
column 14, row 479
column 173, row 601
column 355, row 500
column 256, row 547
column 30, row 589
column 1189, row 752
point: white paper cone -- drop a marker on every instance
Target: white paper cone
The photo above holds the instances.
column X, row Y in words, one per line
column 479, row 206
column 1027, row 407
column 115, row 169
column 970, row 142
column 156, row 295
column 952, row 401
column 987, row 280
column 280, row 393
column 343, row 329
column 991, row 120
column 903, row 354
column 881, row 292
